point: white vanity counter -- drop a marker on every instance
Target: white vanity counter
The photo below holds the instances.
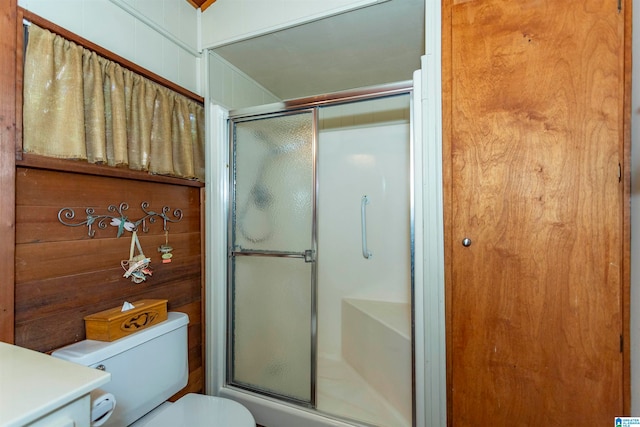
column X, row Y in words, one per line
column 37, row 389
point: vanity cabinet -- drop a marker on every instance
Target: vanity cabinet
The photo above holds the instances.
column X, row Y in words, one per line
column 536, row 155
column 37, row 390
column 74, row 414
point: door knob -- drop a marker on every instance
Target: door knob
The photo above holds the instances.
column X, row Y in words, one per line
column 466, row 242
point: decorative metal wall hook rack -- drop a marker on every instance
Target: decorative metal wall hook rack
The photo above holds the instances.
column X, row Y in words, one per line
column 117, row 218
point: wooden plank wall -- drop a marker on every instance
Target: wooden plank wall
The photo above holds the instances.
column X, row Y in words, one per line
column 62, row 274
column 7, row 163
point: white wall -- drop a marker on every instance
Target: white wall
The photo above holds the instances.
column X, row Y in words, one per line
column 159, row 35
column 226, row 21
column 232, row 88
column 635, row 221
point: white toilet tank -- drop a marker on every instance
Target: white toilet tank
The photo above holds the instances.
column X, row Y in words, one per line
column 146, row 367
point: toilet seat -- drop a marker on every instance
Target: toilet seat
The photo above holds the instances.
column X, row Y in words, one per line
column 197, row 410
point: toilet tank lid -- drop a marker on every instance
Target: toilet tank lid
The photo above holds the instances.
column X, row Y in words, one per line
column 91, row 352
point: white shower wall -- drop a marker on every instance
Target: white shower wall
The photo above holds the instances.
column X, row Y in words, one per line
column 363, row 150
column 233, row 89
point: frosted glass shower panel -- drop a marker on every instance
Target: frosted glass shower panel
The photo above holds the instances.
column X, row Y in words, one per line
column 271, row 326
column 273, row 183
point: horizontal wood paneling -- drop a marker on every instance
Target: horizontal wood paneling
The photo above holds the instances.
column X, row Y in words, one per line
column 45, row 298
column 42, row 260
column 48, row 333
column 42, row 225
column 34, row 161
column 85, row 190
column 62, row 274
column 56, row 294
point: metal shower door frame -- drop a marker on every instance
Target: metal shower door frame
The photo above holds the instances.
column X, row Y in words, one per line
column 290, row 107
column 308, row 256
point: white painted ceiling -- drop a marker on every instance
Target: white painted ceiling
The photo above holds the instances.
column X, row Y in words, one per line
column 374, row 45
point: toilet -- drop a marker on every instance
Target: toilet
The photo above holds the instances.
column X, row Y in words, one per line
column 147, row 367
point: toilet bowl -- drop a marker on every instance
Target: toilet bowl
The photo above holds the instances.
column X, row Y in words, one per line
column 197, row 410
column 147, row 368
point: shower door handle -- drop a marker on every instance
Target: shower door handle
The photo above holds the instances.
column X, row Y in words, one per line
column 363, row 216
column 308, row 255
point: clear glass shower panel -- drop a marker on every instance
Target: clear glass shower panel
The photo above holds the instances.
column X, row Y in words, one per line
column 273, row 183
column 272, row 351
column 364, row 261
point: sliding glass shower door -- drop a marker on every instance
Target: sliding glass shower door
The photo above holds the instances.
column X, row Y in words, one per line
column 320, row 256
column 272, row 256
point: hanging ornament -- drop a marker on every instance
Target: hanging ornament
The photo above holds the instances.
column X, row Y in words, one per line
column 165, row 249
column 122, row 225
column 137, row 266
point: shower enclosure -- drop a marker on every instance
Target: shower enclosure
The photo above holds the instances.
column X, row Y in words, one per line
column 320, row 256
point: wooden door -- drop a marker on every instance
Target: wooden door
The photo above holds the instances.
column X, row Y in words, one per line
column 535, row 317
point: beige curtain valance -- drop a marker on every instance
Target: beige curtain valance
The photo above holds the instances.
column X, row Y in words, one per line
column 79, row 105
